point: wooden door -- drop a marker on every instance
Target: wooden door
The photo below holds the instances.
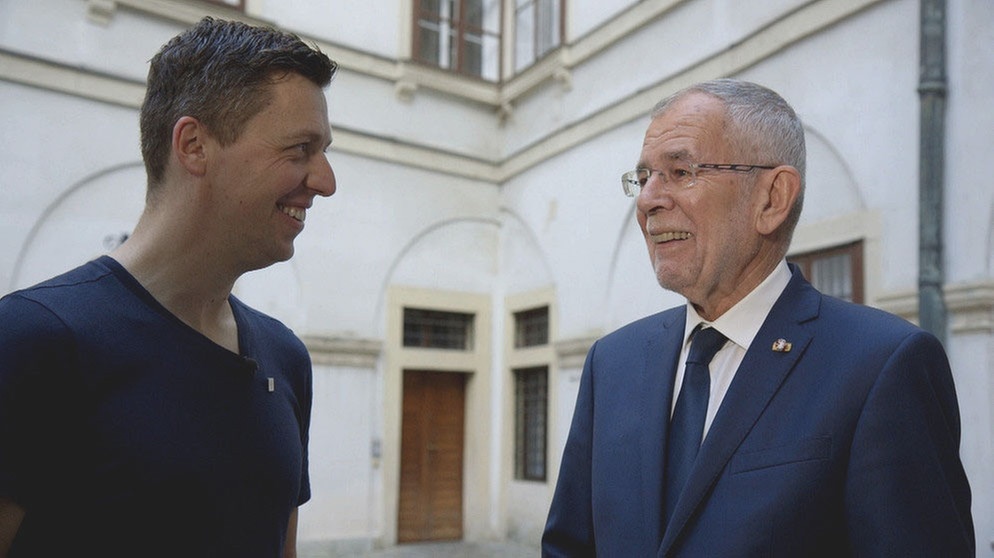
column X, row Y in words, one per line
column 431, row 462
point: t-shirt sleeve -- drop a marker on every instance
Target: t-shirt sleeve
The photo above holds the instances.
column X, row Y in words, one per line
column 35, row 347
column 305, row 395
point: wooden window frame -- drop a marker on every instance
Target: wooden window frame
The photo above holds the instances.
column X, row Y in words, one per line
column 533, row 5
column 855, row 252
column 461, row 29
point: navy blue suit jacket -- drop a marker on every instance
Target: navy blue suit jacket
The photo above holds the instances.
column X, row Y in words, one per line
column 847, row 445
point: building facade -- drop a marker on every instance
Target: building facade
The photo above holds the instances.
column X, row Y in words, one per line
column 479, row 240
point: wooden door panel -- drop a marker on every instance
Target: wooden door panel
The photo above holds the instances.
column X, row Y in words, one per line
column 431, row 468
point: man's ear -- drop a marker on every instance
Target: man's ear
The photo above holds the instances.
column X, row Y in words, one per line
column 779, row 194
column 189, row 145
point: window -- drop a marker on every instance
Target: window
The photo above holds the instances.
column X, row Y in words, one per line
column 531, row 379
column 237, row 4
column 438, row 330
column 459, row 35
column 538, row 30
column 531, row 327
column 530, row 402
column 835, row 271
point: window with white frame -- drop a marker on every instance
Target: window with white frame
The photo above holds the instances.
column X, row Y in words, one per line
column 459, row 35
column 538, row 29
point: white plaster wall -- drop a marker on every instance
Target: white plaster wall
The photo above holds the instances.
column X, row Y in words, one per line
column 369, row 26
column 969, row 227
column 593, row 14
column 59, row 30
column 370, row 104
column 355, row 239
column 563, row 223
column 52, row 143
column 574, row 205
column 86, row 221
column 345, row 477
column 686, row 36
column 856, row 86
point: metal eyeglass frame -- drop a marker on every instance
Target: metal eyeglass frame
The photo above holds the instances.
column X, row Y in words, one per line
column 632, row 183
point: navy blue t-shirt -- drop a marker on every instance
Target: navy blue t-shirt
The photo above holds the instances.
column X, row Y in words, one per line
column 125, row 432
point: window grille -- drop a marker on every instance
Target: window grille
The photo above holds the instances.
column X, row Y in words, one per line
column 530, row 431
column 438, row 330
column 531, row 327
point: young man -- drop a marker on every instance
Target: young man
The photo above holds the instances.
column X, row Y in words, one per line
column 810, row 427
column 144, row 411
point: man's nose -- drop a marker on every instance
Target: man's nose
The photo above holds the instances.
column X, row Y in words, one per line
column 655, row 194
column 321, row 178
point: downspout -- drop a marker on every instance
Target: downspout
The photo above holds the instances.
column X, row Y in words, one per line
column 932, row 94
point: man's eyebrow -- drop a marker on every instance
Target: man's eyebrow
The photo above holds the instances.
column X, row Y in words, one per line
column 679, row 155
column 309, row 137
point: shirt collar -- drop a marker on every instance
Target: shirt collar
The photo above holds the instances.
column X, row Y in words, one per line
column 740, row 323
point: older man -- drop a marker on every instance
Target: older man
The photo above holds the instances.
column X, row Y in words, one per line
column 762, row 418
column 144, row 411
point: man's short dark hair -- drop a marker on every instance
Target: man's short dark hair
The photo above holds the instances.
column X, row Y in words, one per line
column 219, row 72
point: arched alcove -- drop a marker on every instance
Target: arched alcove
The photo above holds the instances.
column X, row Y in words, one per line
column 90, row 218
column 97, row 213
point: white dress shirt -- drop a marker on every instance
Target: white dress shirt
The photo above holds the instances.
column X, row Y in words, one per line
column 739, row 324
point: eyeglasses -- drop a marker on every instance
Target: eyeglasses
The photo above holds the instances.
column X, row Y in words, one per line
column 680, row 175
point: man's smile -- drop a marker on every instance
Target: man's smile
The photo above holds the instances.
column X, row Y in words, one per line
column 667, row 236
column 298, row 213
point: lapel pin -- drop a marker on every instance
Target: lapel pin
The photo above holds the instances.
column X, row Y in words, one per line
column 781, row 346
column 271, row 384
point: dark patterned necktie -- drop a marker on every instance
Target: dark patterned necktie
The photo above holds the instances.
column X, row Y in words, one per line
column 687, row 424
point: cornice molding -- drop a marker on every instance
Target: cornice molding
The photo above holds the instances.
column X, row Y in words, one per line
column 572, row 352
column 343, row 352
column 78, row 82
column 969, row 306
column 409, row 78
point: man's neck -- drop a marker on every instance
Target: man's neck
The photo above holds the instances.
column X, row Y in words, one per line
column 184, row 278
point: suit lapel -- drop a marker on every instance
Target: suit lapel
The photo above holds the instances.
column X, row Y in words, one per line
column 661, row 353
column 756, row 381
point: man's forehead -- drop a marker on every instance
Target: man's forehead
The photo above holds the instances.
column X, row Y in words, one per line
column 680, row 130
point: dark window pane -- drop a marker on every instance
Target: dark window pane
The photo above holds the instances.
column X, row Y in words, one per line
column 474, row 12
column 438, row 330
column 472, row 55
column 531, row 327
column 531, row 402
column 428, row 47
column 429, row 7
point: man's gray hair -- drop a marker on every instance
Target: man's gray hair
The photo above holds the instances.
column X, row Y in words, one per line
column 763, row 127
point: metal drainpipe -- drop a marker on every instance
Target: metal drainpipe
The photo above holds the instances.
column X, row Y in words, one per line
column 932, row 93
